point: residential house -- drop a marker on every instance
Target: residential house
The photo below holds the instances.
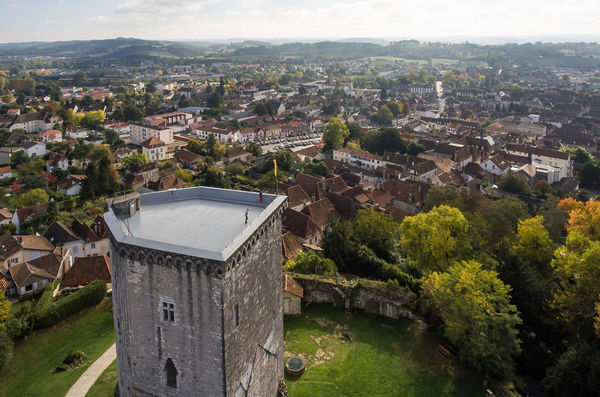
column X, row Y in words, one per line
column 247, row 134
column 70, row 185
column 28, row 278
column 302, row 226
column 35, row 122
column 5, row 172
column 87, row 269
column 166, row 183
column 25, row 214
column 189, row 159
column 358, row 158
column 154, row 149
column 51, row 136
column 297, row 197
column 554, row 165
column 34, row 247
column 34, row 149
column 5, row 216
column 57, row 160
column 94, row 237
column 235, row 153
column 496, row 165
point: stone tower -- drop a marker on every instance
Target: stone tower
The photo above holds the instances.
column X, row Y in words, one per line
column 197, row 292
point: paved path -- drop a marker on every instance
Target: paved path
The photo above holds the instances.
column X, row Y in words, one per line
column 89, row 377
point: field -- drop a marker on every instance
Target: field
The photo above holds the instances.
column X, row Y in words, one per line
column 31, row 372
column 384, row 357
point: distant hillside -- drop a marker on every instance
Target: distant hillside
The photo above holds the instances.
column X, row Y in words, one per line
column 133, row 51
column 110, row 48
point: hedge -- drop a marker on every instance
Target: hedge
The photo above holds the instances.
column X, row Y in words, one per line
column 46, row 299
column 90, row 295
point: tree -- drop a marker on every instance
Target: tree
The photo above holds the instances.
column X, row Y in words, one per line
column 512, row 183
column 414, row 148
column 214, row 177
column 534, row 244
column 583, row 218
column 136, row 158
column 405, row 108
column 542, row 186
column 335, row 134
column 52, row 107
column 395, row 108
column 235, row 169
column 314, row 168
column 80, row 78
column 18, row 158
column 197, row 146
column 260, row 108
column 436, row 239
column 4, row 309
column 184, row 175
column 254, row 148
column 353, row 130
column 93, row 119
column 474, row 305
column 377, row 231
column 211, row 141
column 8, row 98
column 311, row 263
column 577, row 267
column 384, row 115
column 132, row 113
column 467, row 114
column 111, row 137
column 150, row 88
column 33, row 197
column 353, row 144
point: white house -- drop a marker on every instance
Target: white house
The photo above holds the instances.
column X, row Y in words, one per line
column 221, row 135
column 35, row 122
column 34, row 148
column 70, row 185
column 556, row 164
column 358, row 158
column 143, row 132
column 51, row 136
column 247, row 135
column 154, row 149
column 496, row 165
column 56, row 160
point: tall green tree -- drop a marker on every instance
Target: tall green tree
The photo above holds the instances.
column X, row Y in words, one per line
column 474, row 305
column 335, row 134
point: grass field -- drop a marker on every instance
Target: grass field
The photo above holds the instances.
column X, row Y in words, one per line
column 105, row 385
column 384, row 358
column 31, row 372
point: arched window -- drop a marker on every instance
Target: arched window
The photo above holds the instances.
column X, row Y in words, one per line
column 171, row 373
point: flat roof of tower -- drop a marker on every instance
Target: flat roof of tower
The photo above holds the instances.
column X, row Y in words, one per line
column 200, row 221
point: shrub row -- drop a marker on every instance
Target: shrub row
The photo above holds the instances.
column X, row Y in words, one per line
column 90, row 295
column 46, row 299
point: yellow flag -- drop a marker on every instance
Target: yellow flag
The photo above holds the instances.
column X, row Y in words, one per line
column 275, row 164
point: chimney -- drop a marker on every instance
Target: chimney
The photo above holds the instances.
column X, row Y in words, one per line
column 529, row 158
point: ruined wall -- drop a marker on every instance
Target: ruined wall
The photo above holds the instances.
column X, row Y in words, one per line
column 368, row 296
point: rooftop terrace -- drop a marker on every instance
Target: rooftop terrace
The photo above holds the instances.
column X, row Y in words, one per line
column 201, row 221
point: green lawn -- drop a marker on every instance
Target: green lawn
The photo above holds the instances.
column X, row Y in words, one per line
column 31, row 372
column 385, row 358
column 105, row 385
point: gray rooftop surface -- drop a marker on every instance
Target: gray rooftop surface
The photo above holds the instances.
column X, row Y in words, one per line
column 200, row 221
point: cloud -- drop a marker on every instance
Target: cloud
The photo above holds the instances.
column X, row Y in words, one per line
column 160, row 6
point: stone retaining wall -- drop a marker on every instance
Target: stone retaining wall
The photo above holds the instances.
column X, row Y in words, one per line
column 357, row 294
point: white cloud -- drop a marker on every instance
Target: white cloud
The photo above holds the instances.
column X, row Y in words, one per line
column 160, row 6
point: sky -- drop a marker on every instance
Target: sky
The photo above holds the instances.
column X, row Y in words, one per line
column 445, row 20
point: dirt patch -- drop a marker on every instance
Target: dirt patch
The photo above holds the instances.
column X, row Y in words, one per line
column 324, row 322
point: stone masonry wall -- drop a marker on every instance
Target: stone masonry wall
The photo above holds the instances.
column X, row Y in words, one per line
column 143, row 279
column 371, row 297
column 254, row 348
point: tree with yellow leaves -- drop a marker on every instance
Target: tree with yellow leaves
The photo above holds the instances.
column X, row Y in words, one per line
column 4, row 309
column 436, row 239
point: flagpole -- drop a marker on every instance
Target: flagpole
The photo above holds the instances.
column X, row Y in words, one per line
column 275, row 172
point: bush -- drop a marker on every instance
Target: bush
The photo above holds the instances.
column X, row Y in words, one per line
column 21, row 322
column 5, row 347
column 46, row 299
column 32, row 296
column 90, row 295
column 73, row 360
